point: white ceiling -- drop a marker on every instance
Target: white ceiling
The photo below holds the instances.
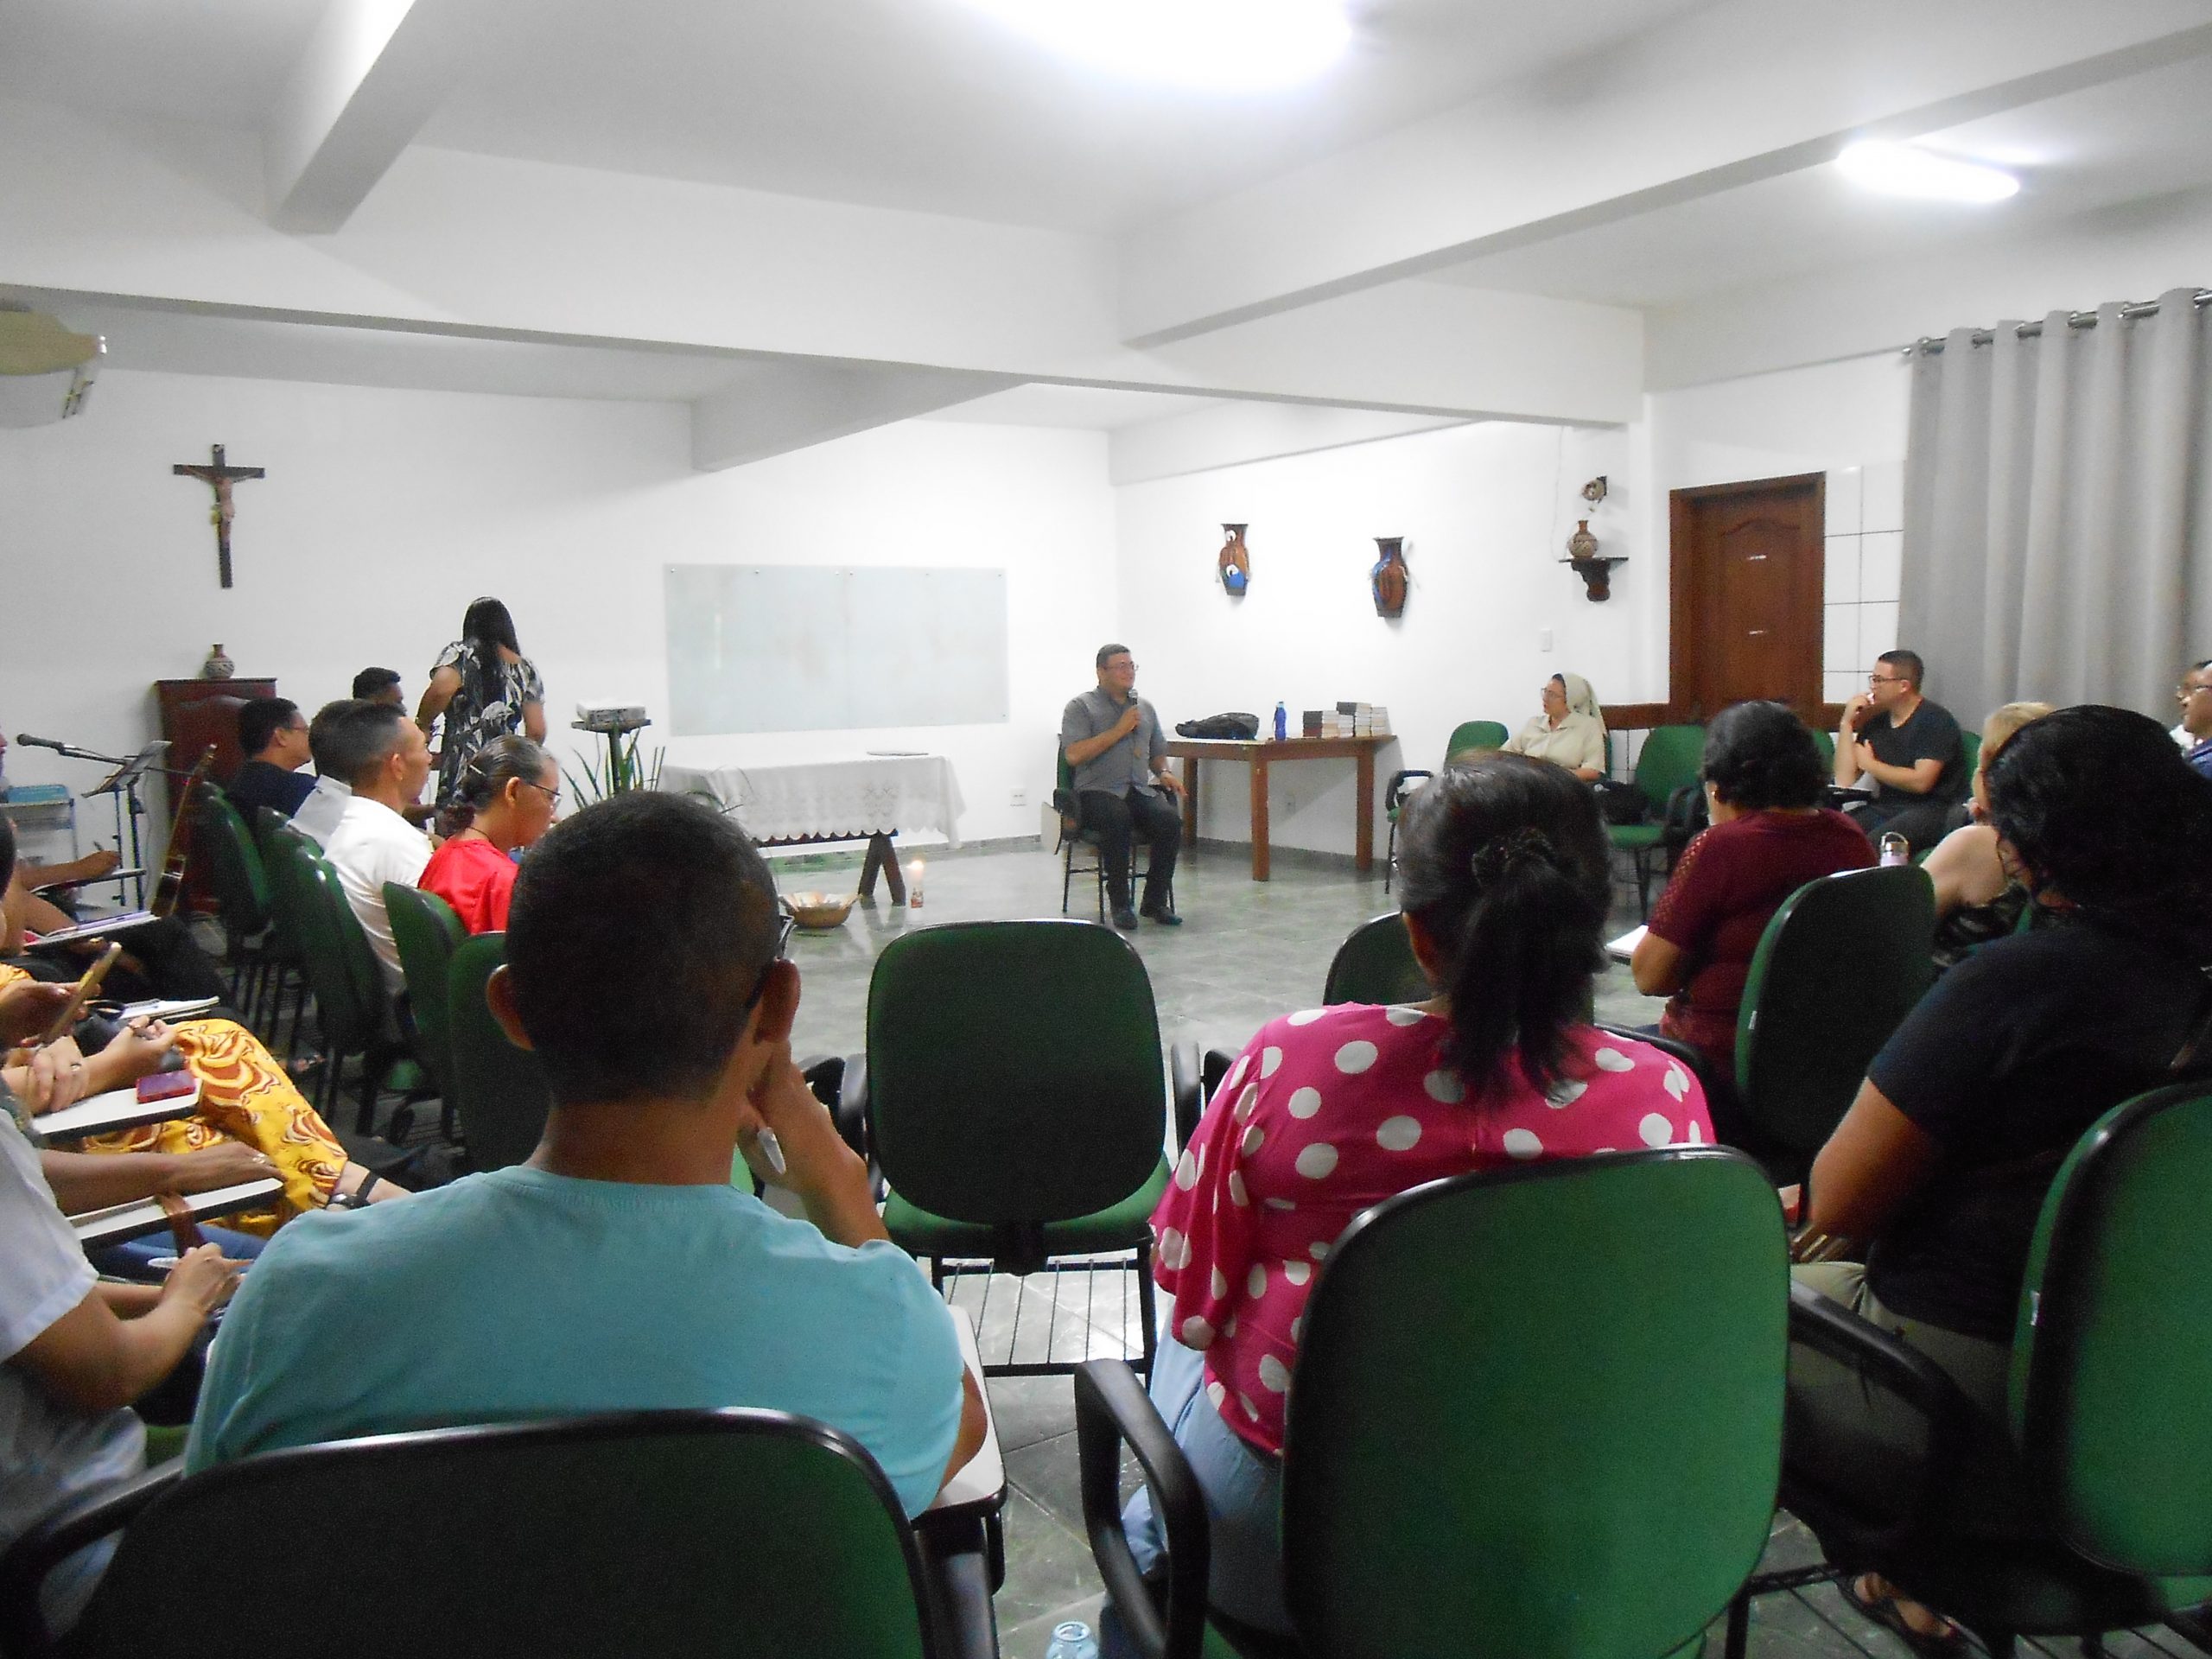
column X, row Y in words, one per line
column 1098, row 408
column 2147, row 136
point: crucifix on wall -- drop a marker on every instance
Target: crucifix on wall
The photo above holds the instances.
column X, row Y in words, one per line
column 221, row 476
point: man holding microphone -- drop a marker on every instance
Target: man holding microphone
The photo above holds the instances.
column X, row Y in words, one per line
column 1116, row 748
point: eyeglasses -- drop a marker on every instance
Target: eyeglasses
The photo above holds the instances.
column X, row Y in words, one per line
column 552, row 795
column 783, row 939
column 1885, row 679
column 2186, row 690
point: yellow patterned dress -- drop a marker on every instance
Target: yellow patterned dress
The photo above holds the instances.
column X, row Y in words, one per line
column 244, row 1094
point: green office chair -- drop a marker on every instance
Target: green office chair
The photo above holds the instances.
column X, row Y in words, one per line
column 1468, row 737
column 1840, row 964
column 1667, row 774
column 241, row 883
column 500, row 1089
column 2110, row 1415
column 1824, row 740
column 1376, row 964
column 1536, row 1412
column 1010, row 1145
column 752, row 1534
column 347, row 981
column 426, row 930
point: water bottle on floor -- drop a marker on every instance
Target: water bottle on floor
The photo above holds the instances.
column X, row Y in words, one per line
column 1072, row 1640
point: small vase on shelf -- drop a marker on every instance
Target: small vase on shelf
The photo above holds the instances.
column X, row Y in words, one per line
column 218, row 666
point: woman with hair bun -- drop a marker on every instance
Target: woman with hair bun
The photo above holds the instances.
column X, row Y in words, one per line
column 484, row 688
column 1505, row 885
column 1770, row 836
column 505, row 802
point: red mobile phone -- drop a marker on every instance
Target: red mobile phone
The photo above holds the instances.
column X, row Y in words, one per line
column 166, row 1085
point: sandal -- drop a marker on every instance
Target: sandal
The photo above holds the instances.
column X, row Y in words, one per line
column 1883, row 1610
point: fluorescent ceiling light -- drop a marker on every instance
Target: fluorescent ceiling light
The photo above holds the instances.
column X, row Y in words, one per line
column 1904, row 170
column 1223, row 45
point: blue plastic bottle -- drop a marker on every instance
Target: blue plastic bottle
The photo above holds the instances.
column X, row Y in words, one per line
column 1282, row 722
column 1072, row 1640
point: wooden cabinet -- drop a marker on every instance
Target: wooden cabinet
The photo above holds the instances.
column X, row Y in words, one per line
column 195, row 713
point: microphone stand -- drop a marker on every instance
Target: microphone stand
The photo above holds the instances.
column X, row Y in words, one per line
column 122, row 786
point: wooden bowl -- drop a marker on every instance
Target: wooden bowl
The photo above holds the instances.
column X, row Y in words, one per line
column 817, row 912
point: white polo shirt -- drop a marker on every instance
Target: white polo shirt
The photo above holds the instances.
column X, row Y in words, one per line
column 372, row 845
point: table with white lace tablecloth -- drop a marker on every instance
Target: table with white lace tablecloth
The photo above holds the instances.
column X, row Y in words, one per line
column 870, row 797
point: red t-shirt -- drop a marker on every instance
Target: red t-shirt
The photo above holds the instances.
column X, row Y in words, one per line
column 476, row 879
column 1725, row 891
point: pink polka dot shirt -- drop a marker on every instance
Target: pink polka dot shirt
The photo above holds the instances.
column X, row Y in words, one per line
column 1332, row 1111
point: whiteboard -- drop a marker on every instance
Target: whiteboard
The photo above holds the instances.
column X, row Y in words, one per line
column 793, row 648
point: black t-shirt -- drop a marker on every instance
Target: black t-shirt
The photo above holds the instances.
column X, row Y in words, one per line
column 259, row 783
column 1931, row 735
column 2014, row 1053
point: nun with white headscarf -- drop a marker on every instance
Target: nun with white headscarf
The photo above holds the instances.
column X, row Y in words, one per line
column 1570, row 731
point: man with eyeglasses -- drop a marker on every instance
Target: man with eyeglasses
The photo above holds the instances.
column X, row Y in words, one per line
column 2194, row 692
column 619, row 1268
column 1908, row 746
column 1118, row 754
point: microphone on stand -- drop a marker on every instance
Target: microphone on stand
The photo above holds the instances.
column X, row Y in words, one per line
column 30, row 742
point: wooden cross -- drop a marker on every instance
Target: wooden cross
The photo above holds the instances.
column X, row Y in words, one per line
column 222, row 477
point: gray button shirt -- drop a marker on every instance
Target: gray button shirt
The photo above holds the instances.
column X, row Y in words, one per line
column 1127, row 765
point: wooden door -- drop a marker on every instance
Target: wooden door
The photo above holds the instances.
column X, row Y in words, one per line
column 1748, row 565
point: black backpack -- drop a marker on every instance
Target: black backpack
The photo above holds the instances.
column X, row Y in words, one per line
column 1242, row 728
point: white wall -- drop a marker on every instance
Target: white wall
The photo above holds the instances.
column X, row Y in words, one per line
column 386, row 512
column 1846, row 419
column 1485, row 510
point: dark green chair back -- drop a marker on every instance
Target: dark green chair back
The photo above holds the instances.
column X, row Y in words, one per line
column 499, row 1089
column 1539, row 1412
column 426, row 930
column 1970, row 744
column 311, row 914
column 241, row 879
column 1668, row 761
column 1471, row 736
column 1015, row 1071
column 746, row 1533
column 1376, row 964
column 1838, row 969
column 1824, row 740
column 2112, row 1364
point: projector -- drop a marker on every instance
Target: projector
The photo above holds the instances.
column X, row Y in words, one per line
column 610, row 716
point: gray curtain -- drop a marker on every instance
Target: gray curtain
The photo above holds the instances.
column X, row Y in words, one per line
column 2058, row 511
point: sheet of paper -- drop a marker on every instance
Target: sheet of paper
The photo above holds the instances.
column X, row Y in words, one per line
column 1622, row 948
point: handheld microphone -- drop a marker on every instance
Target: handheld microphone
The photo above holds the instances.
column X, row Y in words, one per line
column 30, row 742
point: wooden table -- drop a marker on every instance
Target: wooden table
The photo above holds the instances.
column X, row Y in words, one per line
column 1262, row 754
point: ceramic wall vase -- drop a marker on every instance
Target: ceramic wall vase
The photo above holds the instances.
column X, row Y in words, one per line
column 1387, row 579
column 218, row 666
column 1236, row 561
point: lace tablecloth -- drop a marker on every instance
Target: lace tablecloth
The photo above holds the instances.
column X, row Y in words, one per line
column 866, row 795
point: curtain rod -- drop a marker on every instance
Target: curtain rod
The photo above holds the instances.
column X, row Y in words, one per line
column 1930, row 346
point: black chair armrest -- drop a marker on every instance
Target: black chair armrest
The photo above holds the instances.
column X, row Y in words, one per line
column 61, row 1534
column 1865, row 1490
column 1111, row 1410
column 1685, row 815
column 1187, row 1088
column 1394, row 791
column 957, row 1584
column 1215, row 1068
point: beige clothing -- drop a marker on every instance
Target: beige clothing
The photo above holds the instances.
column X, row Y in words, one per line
column 1577, row 741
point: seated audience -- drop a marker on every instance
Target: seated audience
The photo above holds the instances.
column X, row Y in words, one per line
column 506, row 801
column 273, row 737
column 383, row 759
column 1570, row 731
column 1909, row 747
column 251, row 1121
column 1933, row 1180
column 76, row 1353
column 317, row 817
column 1764, row 780
column 2195, row 694
column 1505, row 885
column 379, row 685
column 619, row 1268
column 1976, row 898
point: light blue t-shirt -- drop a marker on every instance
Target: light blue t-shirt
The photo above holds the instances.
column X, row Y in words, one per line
column 520, row 1294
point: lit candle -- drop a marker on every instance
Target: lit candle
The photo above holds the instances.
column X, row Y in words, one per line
column 914, row 885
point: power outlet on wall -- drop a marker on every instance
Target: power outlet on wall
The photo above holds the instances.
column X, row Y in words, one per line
column 1020, row 798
